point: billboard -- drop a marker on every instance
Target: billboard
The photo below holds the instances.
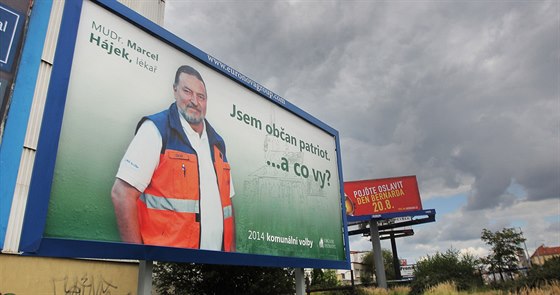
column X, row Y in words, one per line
column 407, row 271
column 382, row 196
column 11, row 28
column 273, row 170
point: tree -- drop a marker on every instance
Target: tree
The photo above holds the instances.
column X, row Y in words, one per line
column 506, row 246
column 323, row 278
column 366, row 277
column 546, row 273
column 446, row 267
column 369, row 269
column 190, row 278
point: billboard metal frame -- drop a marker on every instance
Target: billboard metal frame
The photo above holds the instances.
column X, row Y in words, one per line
column 32, row 240
column 363, row 218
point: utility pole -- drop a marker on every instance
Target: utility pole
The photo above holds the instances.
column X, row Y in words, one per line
column 527, row 257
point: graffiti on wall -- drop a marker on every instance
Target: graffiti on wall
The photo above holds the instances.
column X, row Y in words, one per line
column 47, row 276
column 86, row 284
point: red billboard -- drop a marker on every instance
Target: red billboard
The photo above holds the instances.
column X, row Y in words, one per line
column 379, row 196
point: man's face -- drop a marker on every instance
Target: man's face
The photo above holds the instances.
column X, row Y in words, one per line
column 190, row 95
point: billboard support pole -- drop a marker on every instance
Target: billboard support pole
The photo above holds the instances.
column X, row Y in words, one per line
column 300, row 281
column 377, row 255
column 396, row 261
column 145, row 277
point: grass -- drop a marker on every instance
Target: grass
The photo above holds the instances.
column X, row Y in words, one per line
column 450, row 289
column 547, row 289
column 380, row 291
column 372, row 291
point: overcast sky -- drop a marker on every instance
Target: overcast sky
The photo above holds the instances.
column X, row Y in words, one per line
column 463, row 94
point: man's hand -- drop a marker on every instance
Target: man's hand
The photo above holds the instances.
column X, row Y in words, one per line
column 124, row 198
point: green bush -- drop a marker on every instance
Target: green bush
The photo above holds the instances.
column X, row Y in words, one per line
column 323, row 278
column 446, row 267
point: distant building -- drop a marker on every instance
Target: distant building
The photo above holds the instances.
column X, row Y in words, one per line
column 543, row 253
column 357, row 270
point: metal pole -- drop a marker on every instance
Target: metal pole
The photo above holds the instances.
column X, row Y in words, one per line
column 377, row 255
column 300, row 281
column 396, row 261
column 145, row 277
column 527, row 257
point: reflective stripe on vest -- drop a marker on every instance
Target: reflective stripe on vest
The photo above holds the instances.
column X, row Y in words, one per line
column 177, row 205
column 228, row 212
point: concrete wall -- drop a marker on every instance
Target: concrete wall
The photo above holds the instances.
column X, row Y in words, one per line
column 20, row 275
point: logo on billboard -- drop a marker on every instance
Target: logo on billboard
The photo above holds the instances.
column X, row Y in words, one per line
column 327, row 243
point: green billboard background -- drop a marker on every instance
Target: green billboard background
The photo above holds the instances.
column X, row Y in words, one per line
column 285, row 170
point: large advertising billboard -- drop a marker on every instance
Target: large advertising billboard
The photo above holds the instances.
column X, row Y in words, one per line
column 156, row 150
column 382, row 196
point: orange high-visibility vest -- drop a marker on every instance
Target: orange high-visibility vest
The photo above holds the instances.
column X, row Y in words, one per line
column 169, row 208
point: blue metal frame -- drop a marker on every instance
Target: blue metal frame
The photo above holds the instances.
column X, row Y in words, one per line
column 32, row 240
column 13, row 138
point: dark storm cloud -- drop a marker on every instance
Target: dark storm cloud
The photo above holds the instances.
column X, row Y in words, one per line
column 458, row 93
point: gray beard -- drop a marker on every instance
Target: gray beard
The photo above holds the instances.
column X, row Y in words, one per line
column 190, row 119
